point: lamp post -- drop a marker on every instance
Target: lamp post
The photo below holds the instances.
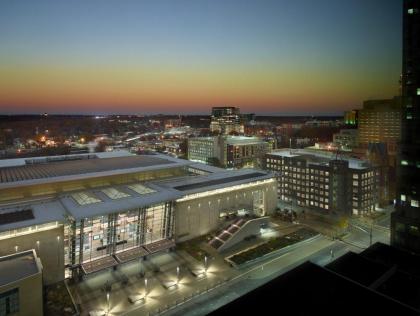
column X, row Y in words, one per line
column 58, row 251
column 107, row 301
column 145, row 286
column 177, row 274
column 205, row 263
column 108, row 288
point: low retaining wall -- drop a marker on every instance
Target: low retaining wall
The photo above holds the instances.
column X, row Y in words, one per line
column 268, row 255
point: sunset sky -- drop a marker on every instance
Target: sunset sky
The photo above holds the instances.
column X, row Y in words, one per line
column 184, row 56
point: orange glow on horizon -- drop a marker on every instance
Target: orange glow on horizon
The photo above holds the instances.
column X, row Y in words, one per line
column 173, row 89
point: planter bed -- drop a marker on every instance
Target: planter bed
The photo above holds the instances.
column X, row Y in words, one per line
column 271, row 245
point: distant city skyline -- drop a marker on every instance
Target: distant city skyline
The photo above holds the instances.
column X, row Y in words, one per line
column 177, row 57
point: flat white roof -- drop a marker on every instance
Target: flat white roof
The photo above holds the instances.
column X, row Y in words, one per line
column 243, row 140
column 45, row 211
column 213, row 181
column 121, row 198
column 107, row 205
column 18, row 266
column 287, row 152
column 22, row 161
column 95, row 166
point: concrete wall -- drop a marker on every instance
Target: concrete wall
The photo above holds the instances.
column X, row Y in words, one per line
column 50, row 250
column 30, row 295
column 197, row 217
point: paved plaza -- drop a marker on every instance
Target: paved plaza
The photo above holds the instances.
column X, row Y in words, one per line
column 150, row 278
column 168, row 285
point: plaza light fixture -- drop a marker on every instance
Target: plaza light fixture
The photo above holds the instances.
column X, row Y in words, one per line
column 107, row 300
column 145, row 287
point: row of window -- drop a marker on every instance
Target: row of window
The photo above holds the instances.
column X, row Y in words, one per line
column 413, row 203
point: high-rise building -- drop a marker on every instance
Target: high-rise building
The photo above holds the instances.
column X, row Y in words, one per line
column 377, row 155
column 226, row 120
column 346, row 139
column 205, row 150
column 405, row 221
column 319, row 181
column 351, row 117
column 228, row 151
column 380, row 122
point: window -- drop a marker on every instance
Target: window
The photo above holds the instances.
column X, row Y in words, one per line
column 418, row 91
column 414, row 203
column 404, row 162
column 84, row 198
column 114, row 194
column 9, row 302
column 140, row 189
column 403, row 198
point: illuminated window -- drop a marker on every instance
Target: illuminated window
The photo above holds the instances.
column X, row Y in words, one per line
column 418, row 91
column 404, row 162
column 84, row 198
column 414, row 203
column 410, row 11
column 403, row 198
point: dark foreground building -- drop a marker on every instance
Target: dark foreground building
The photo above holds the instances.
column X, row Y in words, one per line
column 405, row 222
column 382, row 280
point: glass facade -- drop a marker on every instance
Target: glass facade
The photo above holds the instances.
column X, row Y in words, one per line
column 97, row 237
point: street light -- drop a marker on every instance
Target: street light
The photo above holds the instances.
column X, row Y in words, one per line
column 107, row 300
column 16, row 248
column 145, row 286
column 58, row 250
column 177, row 274
column 205, row 263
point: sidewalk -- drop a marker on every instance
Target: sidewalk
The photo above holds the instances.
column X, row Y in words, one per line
column 126, row 281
